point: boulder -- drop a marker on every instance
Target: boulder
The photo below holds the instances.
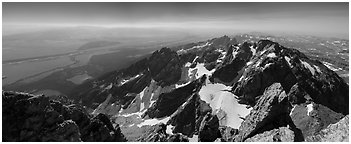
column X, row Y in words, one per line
column 338, row 132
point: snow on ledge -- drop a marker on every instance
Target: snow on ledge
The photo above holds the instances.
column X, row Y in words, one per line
column 155, row 121
column 272, row 55
column 309, row 108
column 308, row 66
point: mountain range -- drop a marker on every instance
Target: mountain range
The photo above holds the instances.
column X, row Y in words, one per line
column 219, row 90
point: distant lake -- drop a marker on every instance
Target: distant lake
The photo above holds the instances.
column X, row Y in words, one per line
column 33, row 69
column 79, row 79
column 17, row 71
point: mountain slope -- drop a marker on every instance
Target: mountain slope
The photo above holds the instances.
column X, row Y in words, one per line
column 163, row 87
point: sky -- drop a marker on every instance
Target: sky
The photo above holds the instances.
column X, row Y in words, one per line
column 305, row 18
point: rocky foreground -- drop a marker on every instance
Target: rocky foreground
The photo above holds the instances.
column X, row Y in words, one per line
column 36, row 118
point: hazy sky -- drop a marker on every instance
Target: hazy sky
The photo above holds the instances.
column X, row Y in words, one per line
column 304, row 18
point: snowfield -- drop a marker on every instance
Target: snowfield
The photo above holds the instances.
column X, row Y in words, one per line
column 220, row 99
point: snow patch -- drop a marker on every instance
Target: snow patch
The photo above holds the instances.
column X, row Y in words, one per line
column 195, row 58
column 249, row 63
column 241, row 78
column 200, row 70
column 136, row 113
column 188, row 64
column 195, row 138
column 182, row 51
column 234, row 54
column 309, row 108
column 223, row 53
column 317, row 68
column 331, row 66
column 288, row 60
column 152, row 122
column 219, row 97
column 181, row 85
column 308, row 66
column 262, row 52
column 132, row 78
column 253, row 50
column 292, row 110
column 169, row 129
column 267, row 65
column 108, row 87
column 272, row 55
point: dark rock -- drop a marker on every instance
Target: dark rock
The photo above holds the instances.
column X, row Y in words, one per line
column 36, row 118
column 165, row 66
column 228, row 133
column 177, row 138
column 187, row 118
column 66, row 131
column 298, row 95
column 211, row 56
column 208, row 131
column 184, row 118
column 230, row 71
column 223, row 41
column 168, row 103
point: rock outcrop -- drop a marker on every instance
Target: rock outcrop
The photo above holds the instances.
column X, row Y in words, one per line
column 275, row 63
column 338, row 132
column 270, row 112
column 282, row 134
column 36, row 118
column 311, row 118
column 228, row 133
column 158, row 134
column 231, row 69
column 187, row 120
column 168, row 103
